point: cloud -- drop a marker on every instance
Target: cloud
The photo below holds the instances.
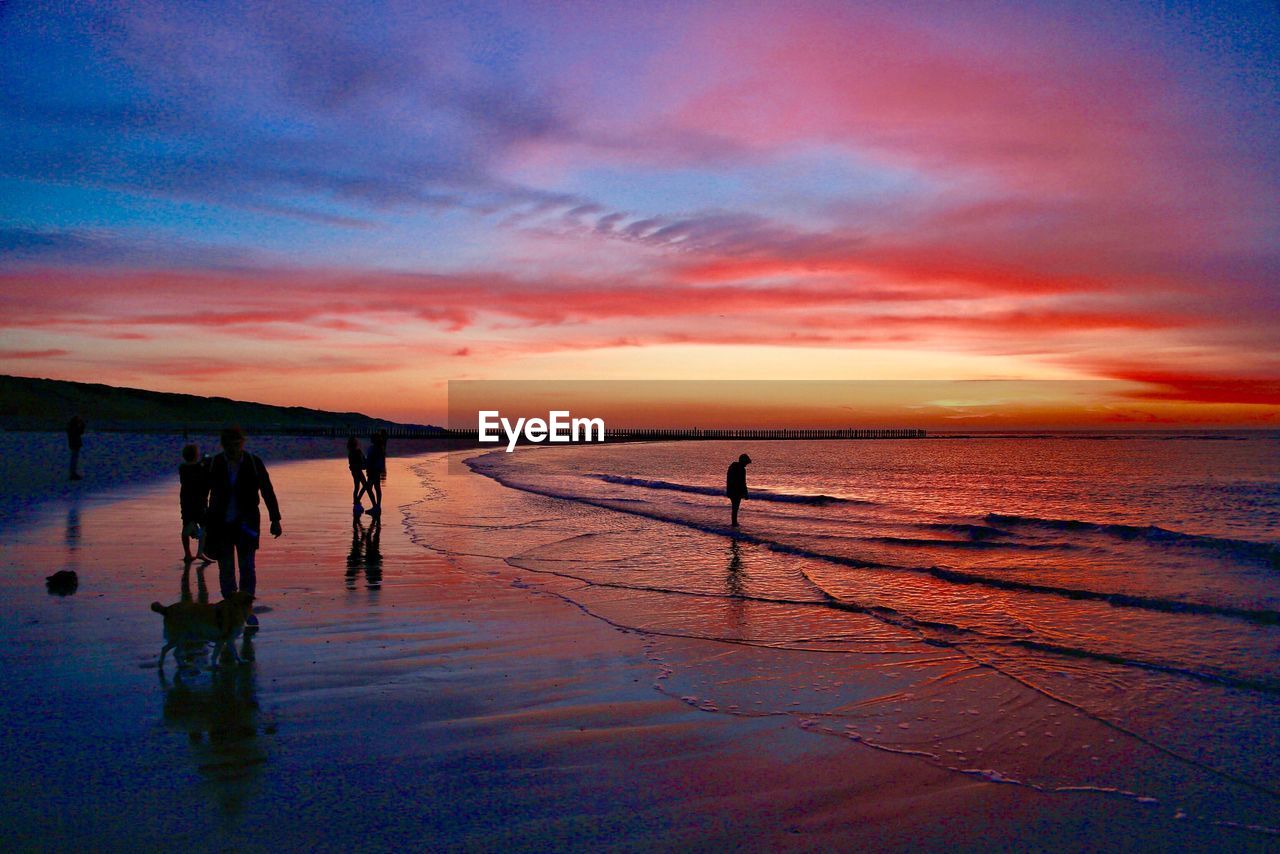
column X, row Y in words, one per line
column 33, row 354
column 1171, row 385
column 28, row 247
column 321, row 113
column 841, row 176
column 291, row 304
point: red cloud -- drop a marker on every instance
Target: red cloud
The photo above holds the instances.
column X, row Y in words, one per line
column 917, row 266
column 291, row 305
column 1200, row 388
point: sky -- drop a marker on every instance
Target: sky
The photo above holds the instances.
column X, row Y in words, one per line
column 349, row 205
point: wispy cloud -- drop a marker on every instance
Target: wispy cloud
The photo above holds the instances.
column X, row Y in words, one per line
column 349, row 186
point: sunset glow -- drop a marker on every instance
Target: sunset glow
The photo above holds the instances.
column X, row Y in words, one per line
column 346, row 207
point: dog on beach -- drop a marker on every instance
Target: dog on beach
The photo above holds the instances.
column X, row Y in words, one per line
column 195, row 622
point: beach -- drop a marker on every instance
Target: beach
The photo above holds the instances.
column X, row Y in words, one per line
column 458, row 682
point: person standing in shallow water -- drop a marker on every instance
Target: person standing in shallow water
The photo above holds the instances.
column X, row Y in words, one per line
column 736, row 484
column 234, row 523
column 75, row 440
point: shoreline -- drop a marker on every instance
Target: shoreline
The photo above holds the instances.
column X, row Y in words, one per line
column 507, row 717
column 116, row 465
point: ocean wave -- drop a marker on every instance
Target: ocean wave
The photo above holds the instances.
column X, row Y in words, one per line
column 1268, row 553
column 975, row 545
column 931, row 632
column 974, row 532
column 1116, row 599
column 756, row 494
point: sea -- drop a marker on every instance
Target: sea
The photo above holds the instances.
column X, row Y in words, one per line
column 1095, row 615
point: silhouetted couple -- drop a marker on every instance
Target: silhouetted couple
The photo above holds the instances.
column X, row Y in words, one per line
column 735, row 485
column 367, row 473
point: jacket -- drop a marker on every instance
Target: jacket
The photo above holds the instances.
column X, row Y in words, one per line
column 251, row 480
column 736, row 481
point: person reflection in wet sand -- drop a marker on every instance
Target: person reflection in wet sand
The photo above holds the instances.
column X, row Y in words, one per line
column 66, row 581
column 186, row 654
column 373, row 556
column 366, row 554
column 223, row 724
column 736, row 485
column 733, row 582
column 737, row 614
column 355, row 557
column 72, row 534
column 75, row 441
column 202, row 589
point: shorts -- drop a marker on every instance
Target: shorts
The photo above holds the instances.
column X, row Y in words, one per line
column 192, row 529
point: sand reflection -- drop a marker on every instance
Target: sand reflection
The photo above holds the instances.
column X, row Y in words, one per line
column 222, row 722
column 365, row 555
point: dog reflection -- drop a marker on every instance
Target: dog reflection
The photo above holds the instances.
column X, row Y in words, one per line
column 365, row 554
column 223, row 724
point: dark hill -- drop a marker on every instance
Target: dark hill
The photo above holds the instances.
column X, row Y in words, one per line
column 27, row 403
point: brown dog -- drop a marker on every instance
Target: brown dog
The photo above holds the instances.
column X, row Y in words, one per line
column 193, row 622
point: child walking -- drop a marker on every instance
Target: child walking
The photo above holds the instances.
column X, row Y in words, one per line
column 193, row 474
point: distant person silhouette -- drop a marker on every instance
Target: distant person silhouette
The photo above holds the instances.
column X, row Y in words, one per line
column 234, row 521
column 193, row 475
column 75, row 440
column 736, row 484
column 376, row 470
column 359, row 483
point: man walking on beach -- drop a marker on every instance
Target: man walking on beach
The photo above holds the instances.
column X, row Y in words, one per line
column 75, row 433
column 234, row 521
column 736, row 484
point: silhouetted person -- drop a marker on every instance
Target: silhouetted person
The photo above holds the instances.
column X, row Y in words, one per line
column 736, row 484
column 75, row 440
column 376, row 469
column 234, row 520
column 193, row 475
column 359, row 483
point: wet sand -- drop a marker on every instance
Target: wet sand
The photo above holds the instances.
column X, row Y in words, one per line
column 412, row 699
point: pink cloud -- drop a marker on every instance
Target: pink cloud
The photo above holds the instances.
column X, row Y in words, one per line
column 33, row 354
